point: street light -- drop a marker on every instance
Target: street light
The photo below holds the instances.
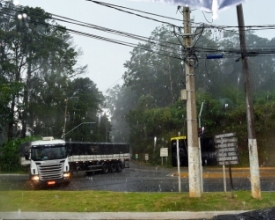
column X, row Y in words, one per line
column 65, row 116
column 155, row 142
column 64, row 135
column 21, row 16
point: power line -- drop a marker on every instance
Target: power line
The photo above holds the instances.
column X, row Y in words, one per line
column 103, row 3
column 221, row 27
column 201, row 50
column 151, row 41
column 137, row 37
column 100, row 28
column 124, row 43
column 116, row 7
column 122, row 10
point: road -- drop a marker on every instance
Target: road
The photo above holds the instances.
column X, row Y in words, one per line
column 142, row 178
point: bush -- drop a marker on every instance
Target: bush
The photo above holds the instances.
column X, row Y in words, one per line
column 10, row 155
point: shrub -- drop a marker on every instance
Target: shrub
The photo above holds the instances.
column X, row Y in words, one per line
column 10, row 155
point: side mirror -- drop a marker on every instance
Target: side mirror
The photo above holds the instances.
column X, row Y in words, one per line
column 27, row 156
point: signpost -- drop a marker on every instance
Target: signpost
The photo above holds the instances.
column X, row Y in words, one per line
column 163, row 153
column 178, row 162
column 227, row 154
column 146, row 157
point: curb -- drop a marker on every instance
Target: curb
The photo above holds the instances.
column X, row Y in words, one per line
column 115, row 215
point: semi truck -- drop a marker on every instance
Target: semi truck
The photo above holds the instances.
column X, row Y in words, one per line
column 98, row 156
column 53, row 161
column 47, row 160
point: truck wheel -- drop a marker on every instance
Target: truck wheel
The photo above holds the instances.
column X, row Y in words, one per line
column 105, row 168
column 113, row 167
column 119, row 167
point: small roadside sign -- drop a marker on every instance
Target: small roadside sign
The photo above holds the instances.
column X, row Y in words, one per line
column 146, row 157
column 164, row 152
column 227, row 154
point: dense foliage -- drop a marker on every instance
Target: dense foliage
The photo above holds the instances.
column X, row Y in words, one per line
column 41, row 91
column 150, row 104
column 10, row 155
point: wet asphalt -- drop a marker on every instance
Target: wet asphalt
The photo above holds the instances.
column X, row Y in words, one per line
column 266, row 214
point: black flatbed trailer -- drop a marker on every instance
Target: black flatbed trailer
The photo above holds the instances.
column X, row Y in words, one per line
column 98, row 156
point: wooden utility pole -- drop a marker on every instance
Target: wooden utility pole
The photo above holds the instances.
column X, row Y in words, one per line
column 252, row 142
column 194, row 172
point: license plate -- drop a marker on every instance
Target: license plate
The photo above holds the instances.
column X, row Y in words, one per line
column 51, row 182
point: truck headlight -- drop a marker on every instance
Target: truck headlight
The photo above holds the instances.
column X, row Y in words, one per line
column 66, row 175
column 35, row 178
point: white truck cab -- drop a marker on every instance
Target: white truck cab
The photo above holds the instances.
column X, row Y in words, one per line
column 48, row 161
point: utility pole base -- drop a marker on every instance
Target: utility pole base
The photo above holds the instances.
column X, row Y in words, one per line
column 254, row 169
column 194, row 172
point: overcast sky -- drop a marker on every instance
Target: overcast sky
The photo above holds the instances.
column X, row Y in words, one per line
column 105, row 60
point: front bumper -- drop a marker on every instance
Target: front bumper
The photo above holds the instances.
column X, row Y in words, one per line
column 36, row 181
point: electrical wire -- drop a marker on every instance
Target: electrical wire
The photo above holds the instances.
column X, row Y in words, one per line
column 133, row 36
column 124, row 34
column 137, row 37
column 118, row 8
column 149, row 13
column 206, row 18
column 160, row 51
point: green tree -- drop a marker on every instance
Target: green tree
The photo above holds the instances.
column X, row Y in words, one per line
column 37, row 53
column 156, row 76
column 120, row 100
column 85, row 104
column 156, row 73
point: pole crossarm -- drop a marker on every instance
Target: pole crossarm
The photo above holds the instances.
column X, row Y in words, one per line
column 78, row 126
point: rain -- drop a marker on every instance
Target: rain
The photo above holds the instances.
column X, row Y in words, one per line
column 60, row 131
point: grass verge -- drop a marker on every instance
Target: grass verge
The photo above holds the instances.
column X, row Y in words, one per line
column 105, row 201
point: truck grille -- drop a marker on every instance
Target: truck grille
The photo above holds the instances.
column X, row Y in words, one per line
column 50, row 171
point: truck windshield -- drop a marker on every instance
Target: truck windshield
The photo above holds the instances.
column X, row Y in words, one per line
column 48, row 152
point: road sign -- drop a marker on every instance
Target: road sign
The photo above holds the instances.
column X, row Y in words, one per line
column 226, row 147
column 146, row 157
column 164, row 152
column 220, row 136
